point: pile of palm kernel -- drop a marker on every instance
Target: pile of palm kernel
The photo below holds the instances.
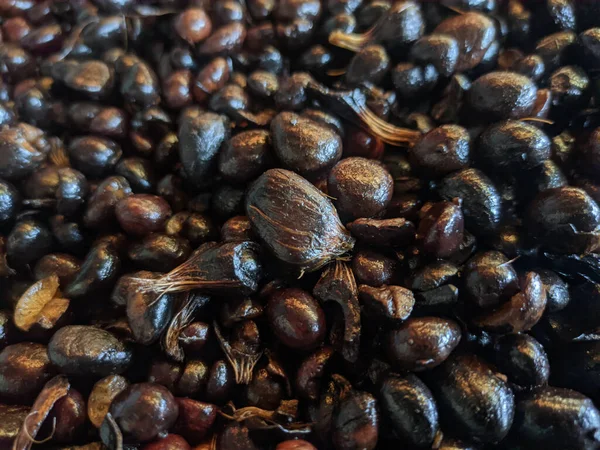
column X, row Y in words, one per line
column 299, row 224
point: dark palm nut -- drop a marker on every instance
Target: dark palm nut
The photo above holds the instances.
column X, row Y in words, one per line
column 10, row 202
column 361, row 187
column 440, row 50
column 441, row 229
column 311, row 372
column 200, row 139
column 70, row 415
column 569, row 88
column 286, row 212
column 296, row 318
column 195, row 419
column 210, row 79
column 63, row 265
column 177, row 89
column 411, row 409
column 295, row 34
column 148, row 313
column 93, row 79
column 224, row 40
column 141, row 214
column 383, row 232
column 193, row 338
column 490, row 279
column 193, row 378
column 295, row 444
column 229, row 11
column 145, row 411
column 28, row 241
column 502, row 95
column 18, row 156
column 16, row 63
column 193, row 25
column 413, row 81
column 196, row 228
column 69, row 235
column 557, row 290
column 87, row 350
column 356, row 422
column 159, row 252
column 547, row 175
column 265, row 391
column 101, row 205
column 237, row 228
column 139, row 173
column 235, row 436
column 98, row 272
column 590, row 42
column 474, row 402
column 369, row 65
column 474, row 32
column 579, row 317
column 433, row 275
column 94, row 156
column 140, row 85
column 556, row 49
column 513, row 145
column 221, row 381
column 297, row 9
column 245, row 156
column 263, row 84
column 565, row 219
column 532, row 66
column 392, row 303
column 170, row 442
column 522, row 359
column 443, row 150
column 292, row 93
column 589, row 155
column 229, row 100
column 481, row 201
column 227, row 201
column 403, row 25
column 220, row 268
column 303, row 145
column 240, row 309
column 24, row 369
column 373, row 268
column 7, row 328
column 422, row 343
column 316, row 59
column 556, row 418
column 521, row 312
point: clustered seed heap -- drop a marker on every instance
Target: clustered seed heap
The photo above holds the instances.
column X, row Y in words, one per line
column 300, row 224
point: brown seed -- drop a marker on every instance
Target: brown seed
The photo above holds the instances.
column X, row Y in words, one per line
column 303, row 145
column 441, row 229
column 193, row 25
column 296, row 318
column 389, row 302
column 422, row 343
column 474, row 33
column 397, row 232
column 141, row 214
column 360, row 187
column 521, row 312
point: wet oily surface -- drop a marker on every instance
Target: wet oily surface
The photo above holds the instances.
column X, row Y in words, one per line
column 299, row 224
